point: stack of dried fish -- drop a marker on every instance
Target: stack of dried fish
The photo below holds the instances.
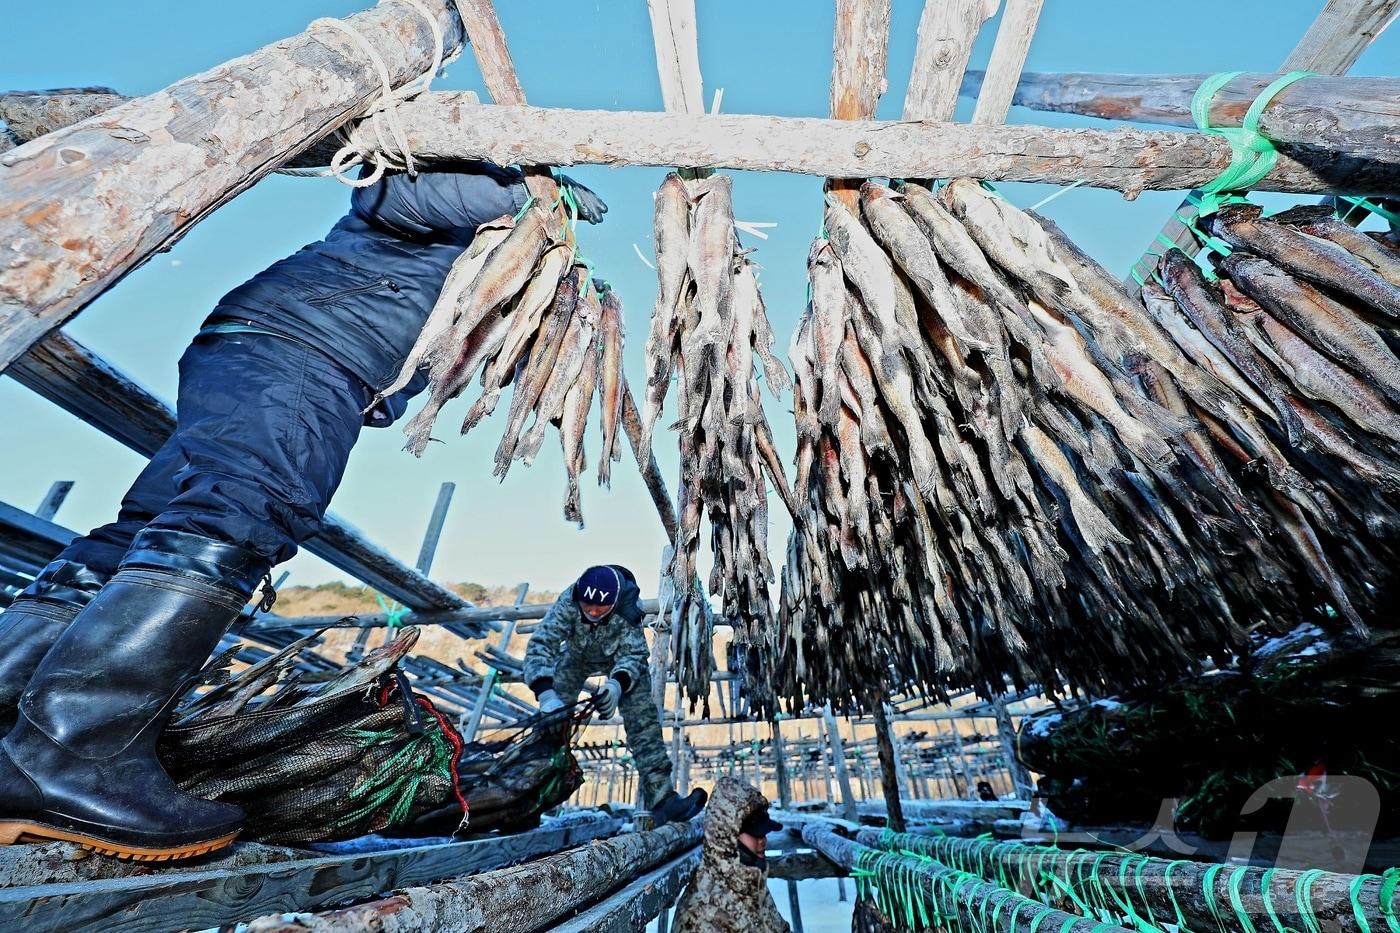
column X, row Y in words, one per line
column 315, row 756
column 517, row 308
column 710, row 328
column 1007, row 467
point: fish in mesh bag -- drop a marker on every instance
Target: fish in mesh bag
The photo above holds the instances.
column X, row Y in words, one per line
column 316, row 757
column 513, row 775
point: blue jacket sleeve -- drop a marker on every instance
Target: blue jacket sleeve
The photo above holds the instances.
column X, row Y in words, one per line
column 451, row 203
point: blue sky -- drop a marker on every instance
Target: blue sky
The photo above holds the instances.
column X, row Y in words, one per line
column 772, row 56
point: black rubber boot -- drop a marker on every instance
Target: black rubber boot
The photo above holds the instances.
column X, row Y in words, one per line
column 32, row 623
column 674, row 808
column 80, row 764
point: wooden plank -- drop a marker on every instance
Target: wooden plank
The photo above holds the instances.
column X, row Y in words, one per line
column 513, row 900
column 673, row 33
column 636, row 905
column 1332, row 44
column 54, row 498
column 860, row 56
column 83, row 384
column 488, row 42
column 838, row 759
column 442, row 127
column 947, row 31
column 1340, row 33
column 200, row 899
column 1014, row 35
column 65, row 862
column 83, row 206
column 1357, row 117
column 28, row 542
column 889, row 772
column 479, row 614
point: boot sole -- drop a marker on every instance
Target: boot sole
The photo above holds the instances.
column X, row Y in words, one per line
column 13, row 833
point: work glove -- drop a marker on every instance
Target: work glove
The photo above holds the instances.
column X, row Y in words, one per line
column 590, row 207
column 607, row 698
column 550, row 702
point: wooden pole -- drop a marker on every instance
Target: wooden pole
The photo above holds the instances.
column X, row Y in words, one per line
column 947, row 31
column 1006, row 733
column 488, row 42
column 1349, row 117
column 53, row 499
column 1018, row 23
column 673, row 33
column 889, row 772
column 1335, row 40
column 511, row 900
column 838, row 760
column 860, row 55
column 794, row 906
column 82, row 207
column 780, row 766
column 442, row 127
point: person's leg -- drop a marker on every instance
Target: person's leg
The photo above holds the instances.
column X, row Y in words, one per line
column 642, row 722
column 265, row 429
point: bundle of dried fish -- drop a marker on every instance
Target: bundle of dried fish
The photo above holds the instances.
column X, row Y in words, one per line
column 1008, row 468
column 709, row 327
column 315, row 756
column 516, row 308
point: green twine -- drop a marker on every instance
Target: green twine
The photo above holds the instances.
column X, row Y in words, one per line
column 1264, row 885
column 1354, row 892
column 1236, row 901
column 1389, row 881
column 1171, row 892
column 1303, row 896
column 393, row 616
column 529, row 202
column 1208, row 888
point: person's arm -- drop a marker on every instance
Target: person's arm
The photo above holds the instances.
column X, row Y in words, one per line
column 542, row 653
column 632, row 657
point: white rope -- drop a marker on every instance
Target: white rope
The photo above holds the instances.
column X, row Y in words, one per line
column 391, row 141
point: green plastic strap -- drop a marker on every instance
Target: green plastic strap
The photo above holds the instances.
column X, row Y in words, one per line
column 1171, row 892
column 1389, row 216
column 1208, row 889
column 393, row 616
column 1265, row 881
column 1252, row 154
column 1390, row 879
column 529, row 203
column 1354, row 892
column 1303, row 896
column 1236, row 901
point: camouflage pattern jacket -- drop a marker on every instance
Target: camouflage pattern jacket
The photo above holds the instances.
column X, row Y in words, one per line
column 565, row 639
column 726, row 896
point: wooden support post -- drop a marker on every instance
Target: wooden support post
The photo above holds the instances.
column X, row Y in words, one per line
column 780, row 766
column 488, row 42
column 53, row 499
column 82, row 207
column 838, row 760
column 1335, row 40
column 947, row 31
column 433, row 533
column 1006, row 733
column 860, row 55
column 677, row 55
column 889, row 773
column 1018, row 22
column 488, row 684
column 794, row 906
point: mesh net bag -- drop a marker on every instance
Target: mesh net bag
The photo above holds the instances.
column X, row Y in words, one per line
column 366, row 757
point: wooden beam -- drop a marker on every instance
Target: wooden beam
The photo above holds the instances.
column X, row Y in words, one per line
column 527, row 897
column 637, row 904
column 947, row 31
column 488, row 42
column 1014, row 35
column 1335, row 40
column 442, row 127
column 860, row 57
column 83, row 206
column 477, row 614
column 1347, row 117
column 200, row 899
column 673, row 33
column 83, row 384
column 889, row 772
column 1340, row 33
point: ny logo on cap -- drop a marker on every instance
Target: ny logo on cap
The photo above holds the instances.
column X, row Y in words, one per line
column 594, row 595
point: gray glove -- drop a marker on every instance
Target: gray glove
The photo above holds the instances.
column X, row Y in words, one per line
column 549, row 702
column 607, row 698
column 590, row 207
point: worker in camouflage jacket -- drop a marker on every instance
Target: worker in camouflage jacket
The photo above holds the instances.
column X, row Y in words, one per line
column 595, row 627
column 730, row 889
